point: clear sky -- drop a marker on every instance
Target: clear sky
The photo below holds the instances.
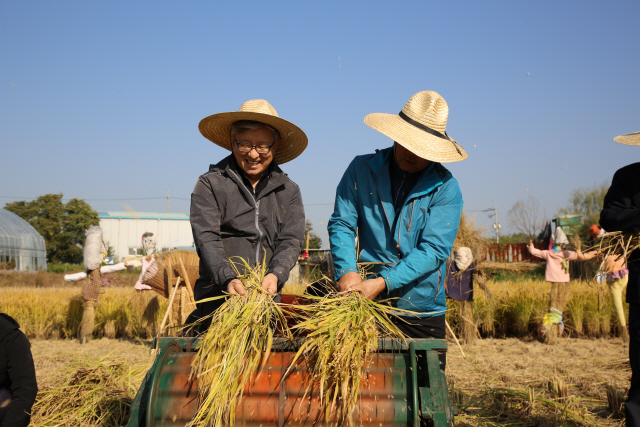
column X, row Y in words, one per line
column 102, row 100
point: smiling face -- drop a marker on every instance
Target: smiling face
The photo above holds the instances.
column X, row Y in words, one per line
column 253, row 163
column 407, row 161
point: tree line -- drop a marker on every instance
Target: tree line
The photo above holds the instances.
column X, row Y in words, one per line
column 63, row 225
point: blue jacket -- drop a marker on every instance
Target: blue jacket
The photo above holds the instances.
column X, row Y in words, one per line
column 417, row 249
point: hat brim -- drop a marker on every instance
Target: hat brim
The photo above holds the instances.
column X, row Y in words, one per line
column 419, row 142
column 628, row 139
column 217, row 128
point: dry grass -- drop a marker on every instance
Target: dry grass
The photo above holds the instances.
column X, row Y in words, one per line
column 470, row 236
column 508, row 382
column 90, row 393
column 493, row 387
column 45, row 279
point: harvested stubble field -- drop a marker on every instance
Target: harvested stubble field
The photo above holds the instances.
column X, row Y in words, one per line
column 502, row 382
column 506, row 381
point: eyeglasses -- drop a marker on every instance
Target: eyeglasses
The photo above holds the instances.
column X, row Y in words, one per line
column 245, row 147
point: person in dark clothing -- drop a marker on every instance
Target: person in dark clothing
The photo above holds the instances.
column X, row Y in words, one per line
column 245, row 206
column 18, row 387
column 621, row 212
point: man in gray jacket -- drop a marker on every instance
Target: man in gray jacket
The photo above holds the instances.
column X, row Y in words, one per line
column 245, row 206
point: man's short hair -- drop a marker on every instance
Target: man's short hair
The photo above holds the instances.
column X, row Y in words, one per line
column 245, row 125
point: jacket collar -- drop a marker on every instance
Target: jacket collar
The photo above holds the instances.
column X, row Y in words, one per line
column 229, row 168
column 429, row 180
column 379, row 164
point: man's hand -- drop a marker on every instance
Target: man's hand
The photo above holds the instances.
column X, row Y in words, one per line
column 348, row 280
column 270, row 283
column 370, row 288
column 235, row 287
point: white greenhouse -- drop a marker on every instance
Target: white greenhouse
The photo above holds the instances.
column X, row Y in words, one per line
column 21, row 247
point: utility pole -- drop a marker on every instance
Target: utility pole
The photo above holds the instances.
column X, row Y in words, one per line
column 496, row 226
column 168, row 202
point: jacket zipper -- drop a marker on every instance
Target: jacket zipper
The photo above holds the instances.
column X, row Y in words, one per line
column 381, row 203
column 259, row 231
column 256, row 220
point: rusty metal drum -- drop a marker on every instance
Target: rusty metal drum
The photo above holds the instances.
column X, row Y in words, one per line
column 387, row 392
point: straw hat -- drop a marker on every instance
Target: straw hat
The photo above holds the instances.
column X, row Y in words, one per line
column 217, row 128
column 632, row 138
column 421, row 128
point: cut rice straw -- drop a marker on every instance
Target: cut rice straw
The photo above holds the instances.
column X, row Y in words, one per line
column 342, row 330
column 92, row 394
column 233, row 349
column 614, row 245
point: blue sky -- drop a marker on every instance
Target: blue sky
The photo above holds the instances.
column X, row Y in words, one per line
column 101, row 100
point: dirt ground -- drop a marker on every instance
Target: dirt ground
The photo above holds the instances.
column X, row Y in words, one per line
column 585, row 366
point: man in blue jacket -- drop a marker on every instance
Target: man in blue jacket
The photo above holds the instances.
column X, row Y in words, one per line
column 404, row 207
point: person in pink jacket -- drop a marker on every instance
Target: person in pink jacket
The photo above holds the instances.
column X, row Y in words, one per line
column 557, row 274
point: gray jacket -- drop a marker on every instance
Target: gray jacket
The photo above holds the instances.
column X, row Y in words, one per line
column 227, row 220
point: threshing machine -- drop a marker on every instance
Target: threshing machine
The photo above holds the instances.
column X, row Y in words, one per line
column 402, row 386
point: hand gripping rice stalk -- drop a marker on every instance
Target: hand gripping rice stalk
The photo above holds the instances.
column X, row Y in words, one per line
column 233, row 349
column 342, row 330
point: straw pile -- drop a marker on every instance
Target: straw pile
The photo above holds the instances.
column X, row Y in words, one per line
column 342, row 330
column 91, row 394
column 236, row 345
column 470, row 236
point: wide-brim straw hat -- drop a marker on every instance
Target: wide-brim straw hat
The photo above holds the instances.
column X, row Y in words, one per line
column 628, row 138
column 421, row 128
column 217, row 128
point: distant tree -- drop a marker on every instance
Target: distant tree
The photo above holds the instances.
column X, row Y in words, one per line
column 314, row 240
column 527, row 217
column 61, row 225
column 587, row 202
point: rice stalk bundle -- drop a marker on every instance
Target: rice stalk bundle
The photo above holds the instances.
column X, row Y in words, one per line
column 235, row 347
column 470, row 236
column 341, row 331
column 91, row 394
column 616, row 244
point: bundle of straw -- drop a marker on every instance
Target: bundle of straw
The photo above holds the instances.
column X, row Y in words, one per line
column 236, row 345
column 614, row 245
column 342, row 330
column 91, row 394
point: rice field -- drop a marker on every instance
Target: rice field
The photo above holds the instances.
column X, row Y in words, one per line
column 55, row 313
column 515, row 309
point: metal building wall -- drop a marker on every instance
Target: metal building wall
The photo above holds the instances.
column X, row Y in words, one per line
column 125, row 233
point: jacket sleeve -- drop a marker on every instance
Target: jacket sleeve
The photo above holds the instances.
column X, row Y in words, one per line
column 618, row 212
column 23, row 383
column 344, row 223
column 537, row 252
column 435, row 242
column 289, row 239
column 205, row 225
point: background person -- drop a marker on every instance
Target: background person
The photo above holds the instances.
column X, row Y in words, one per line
column 245, row 206
column 621, row 213
column 405, row 208
column 18, row 386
